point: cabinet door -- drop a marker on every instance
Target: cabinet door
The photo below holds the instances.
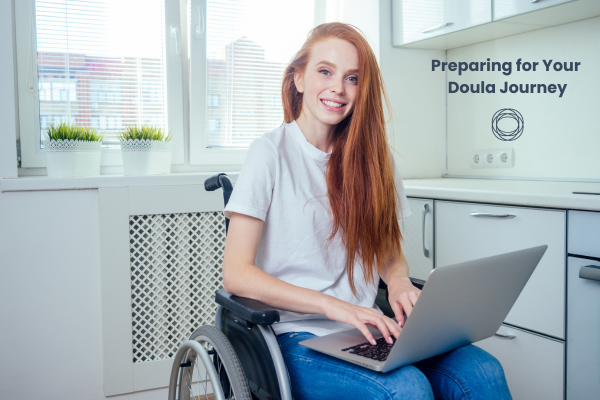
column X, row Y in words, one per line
column 415, row 20
column 583, row 325
column 533, row 364
column 462, row 235
column 510, row 8
column 417, row 231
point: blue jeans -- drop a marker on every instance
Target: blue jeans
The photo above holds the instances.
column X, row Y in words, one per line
column 465, row 373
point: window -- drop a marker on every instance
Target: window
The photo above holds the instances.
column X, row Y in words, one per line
column 108, row 64
column 213, row 100
column 93, row 64
column 237, row 62
column 214, row 125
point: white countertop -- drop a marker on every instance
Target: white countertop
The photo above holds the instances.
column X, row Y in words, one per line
column 32, row 183
column 553, row 194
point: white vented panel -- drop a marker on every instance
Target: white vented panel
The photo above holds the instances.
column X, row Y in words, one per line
column 176, row 267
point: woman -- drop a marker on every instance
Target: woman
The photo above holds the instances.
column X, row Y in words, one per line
column 314, row 226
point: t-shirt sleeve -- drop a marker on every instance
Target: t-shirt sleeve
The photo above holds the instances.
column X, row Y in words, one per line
column 253, row 189
column 402, row 208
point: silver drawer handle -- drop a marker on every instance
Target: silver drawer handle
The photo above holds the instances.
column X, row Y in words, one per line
column 425, row 211
column 502, row 335
column 591, row 272
column 433, row 28
column 488, row 215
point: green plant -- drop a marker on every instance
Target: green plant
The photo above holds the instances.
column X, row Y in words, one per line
column 148, row 132
column 66, row 131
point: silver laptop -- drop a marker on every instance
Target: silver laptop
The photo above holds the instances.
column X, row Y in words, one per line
column 460, row 304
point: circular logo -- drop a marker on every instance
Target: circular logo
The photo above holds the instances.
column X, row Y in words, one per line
column 507, row 135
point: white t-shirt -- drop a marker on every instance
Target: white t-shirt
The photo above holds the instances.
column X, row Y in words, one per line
column 282, row 182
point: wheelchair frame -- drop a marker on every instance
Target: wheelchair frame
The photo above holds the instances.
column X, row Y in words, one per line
column 246, row 323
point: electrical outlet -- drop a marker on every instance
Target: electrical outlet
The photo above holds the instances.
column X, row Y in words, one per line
column 489, row 158
column 505, row 158
column 476, row 158
column 493, row 158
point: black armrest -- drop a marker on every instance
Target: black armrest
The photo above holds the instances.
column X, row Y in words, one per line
column 247, row 309
column 417, row 282
column 382, row 296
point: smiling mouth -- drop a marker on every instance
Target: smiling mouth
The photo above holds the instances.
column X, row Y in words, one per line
column 332, row 104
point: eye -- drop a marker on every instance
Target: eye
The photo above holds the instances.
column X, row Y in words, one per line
column 325, row 72
column 353, row 79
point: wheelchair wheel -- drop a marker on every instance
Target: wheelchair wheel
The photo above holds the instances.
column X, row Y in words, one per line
column 209, row 350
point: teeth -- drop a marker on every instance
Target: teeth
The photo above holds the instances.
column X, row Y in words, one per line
column 331, row 103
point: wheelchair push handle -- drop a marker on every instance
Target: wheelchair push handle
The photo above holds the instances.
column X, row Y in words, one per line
column 220, row 181
column 217, row 181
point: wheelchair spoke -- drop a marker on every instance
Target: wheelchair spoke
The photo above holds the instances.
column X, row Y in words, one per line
column 221, row 361
column 190, row 383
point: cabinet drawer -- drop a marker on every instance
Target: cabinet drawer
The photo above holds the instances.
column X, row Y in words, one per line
column 584, row 233
column 533, row 365
column 461, row 236
column 510, row 8
column 413, row 20
column 417, row 232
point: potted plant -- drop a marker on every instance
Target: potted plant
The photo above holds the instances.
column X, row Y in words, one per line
column 146, row 150
column 72, row 150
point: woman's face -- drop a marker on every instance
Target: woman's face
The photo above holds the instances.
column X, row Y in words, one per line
column 330, row 81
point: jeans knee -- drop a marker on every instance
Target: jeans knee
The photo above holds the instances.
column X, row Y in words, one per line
column 411, row 384
column 489, row 365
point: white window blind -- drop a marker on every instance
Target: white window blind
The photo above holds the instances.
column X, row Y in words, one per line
column 249, row 44
column 101, row 63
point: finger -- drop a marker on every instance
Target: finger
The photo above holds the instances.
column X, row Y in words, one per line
column 406, row 304
column 393, row 326
column 414, row 296
column 381, row 325
column 398, row 313
column 364, row 330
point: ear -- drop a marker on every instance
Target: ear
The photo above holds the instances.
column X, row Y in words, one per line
column 298, row 81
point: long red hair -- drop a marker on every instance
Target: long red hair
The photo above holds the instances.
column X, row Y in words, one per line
column 360, row 178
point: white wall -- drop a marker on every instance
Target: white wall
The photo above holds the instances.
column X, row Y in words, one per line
column 418, row 102
column 50, row 304
column 561, row 138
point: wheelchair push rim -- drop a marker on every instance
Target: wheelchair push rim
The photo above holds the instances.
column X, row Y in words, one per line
column 223, row 372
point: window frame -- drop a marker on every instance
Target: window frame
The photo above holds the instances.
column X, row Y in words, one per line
column 199, row 154
column 29, row 111
column 198, row 124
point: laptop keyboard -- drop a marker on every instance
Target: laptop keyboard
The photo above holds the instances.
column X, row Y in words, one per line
column 378, row 352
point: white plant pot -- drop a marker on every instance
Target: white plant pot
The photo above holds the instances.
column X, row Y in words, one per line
column 71, row 158
column 146, row 157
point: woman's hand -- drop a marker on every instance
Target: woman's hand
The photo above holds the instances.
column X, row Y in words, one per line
column 402, row 295
column 360, row 317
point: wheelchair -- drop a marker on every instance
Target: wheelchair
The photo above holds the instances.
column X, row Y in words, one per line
column 238, row 358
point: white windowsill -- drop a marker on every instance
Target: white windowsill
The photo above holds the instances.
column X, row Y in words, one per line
column 31, row 183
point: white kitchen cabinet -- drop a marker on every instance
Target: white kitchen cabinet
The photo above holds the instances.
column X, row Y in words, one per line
column 533, row 364
column 510, row 8
column 417, row 232
column 583, row 300
column 583, row 357
column 416, row 20
column 468, row 231
column 478, row 20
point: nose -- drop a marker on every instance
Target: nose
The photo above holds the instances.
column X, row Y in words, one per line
column 337, row 85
